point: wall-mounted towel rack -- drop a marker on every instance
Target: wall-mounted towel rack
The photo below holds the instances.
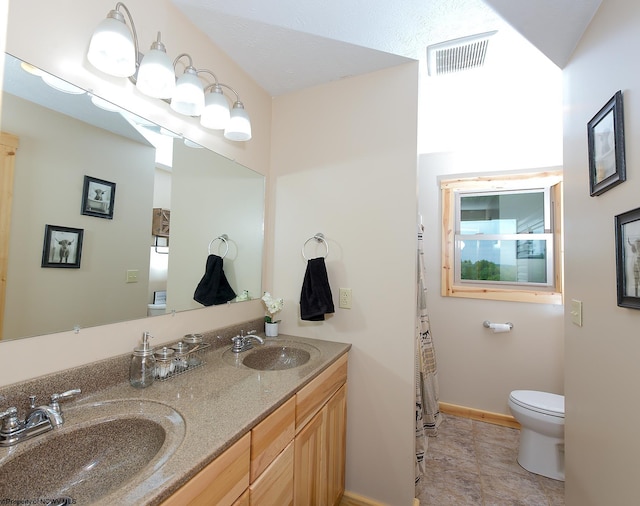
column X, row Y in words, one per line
column 224, row 238
column 319, row 237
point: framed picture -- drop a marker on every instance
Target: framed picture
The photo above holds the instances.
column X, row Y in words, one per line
column 62, row 247
column 605, row 135
column 98, row 197
column 628, row 258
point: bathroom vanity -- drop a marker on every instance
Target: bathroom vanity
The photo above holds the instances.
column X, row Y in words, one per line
column 234, row 435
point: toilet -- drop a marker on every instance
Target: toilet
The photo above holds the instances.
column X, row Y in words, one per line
column 541, row 416
column 156, row 309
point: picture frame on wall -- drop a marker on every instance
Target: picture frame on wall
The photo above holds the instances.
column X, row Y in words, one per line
column 628, row 258
column 62, row 247
column 98, row 198
column 605, row 137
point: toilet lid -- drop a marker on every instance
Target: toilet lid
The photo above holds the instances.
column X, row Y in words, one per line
column 542, row 402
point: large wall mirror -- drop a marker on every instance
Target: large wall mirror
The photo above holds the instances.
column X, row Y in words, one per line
column 75, row 151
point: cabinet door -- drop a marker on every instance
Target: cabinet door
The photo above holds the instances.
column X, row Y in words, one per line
column 336, row 433
column 221, row 482
column 275, row 484
column 310, row 466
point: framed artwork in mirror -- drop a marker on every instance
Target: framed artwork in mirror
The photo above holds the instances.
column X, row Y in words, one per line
column 98, row 197
column 62, row 247
column 605, row 136
column 628, row 258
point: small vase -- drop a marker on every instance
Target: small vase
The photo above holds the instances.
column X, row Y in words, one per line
column 271, row 329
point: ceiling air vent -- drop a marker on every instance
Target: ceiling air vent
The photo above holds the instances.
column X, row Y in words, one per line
column 458, row 54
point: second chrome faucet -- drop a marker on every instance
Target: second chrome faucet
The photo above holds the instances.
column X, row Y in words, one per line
column 243, row 343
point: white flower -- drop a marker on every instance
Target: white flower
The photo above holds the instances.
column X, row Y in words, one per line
column 273, row 306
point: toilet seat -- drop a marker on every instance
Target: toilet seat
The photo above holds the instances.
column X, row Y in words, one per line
column 540, row 402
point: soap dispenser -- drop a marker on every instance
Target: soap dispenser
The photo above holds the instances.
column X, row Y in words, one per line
column 143, row 364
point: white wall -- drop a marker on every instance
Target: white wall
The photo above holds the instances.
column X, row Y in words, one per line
column 601, row 364
column 69, row 26
column 344, row 164
column 489, row 121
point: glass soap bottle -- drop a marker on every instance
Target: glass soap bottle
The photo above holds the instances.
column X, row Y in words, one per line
column 143, row 364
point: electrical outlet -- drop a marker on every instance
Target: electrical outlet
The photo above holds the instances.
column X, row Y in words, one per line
column 345, row 298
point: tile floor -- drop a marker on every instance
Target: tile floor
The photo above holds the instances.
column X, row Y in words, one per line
column 474, row 463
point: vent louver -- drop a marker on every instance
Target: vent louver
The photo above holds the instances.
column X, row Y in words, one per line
column 458, row 54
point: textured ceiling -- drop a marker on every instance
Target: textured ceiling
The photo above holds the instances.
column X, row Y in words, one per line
column 286, row 45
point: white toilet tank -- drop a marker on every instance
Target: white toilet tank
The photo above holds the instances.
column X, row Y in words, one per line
column 156, row 309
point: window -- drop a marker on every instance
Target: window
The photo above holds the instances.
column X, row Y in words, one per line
column 502, row 237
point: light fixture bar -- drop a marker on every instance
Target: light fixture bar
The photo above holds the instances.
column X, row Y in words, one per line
column 114, row 50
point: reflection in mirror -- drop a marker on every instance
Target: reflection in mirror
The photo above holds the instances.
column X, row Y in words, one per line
column 64, row 137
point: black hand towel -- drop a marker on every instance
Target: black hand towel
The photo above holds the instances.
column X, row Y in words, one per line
column 213, row 288
column 315, row 299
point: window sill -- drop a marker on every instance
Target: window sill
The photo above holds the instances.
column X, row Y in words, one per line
column 503, row 294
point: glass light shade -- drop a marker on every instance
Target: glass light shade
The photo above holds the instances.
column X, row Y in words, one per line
column 156, row 77
column 104, row 104
column 215, row 114
column 111, row 49
column 239, row 127
column 61, row 85
column 188, row 97
column 27, row 67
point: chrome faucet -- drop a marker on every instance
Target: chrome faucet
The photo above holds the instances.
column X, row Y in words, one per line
column 39, row 419
column 243, row 343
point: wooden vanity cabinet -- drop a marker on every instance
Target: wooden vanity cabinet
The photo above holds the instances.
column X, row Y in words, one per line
column 320, row 443
column 222, row 482
column 295, row 456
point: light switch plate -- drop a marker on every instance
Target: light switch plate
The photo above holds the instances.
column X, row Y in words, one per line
column 576, row 312
column 132, row 276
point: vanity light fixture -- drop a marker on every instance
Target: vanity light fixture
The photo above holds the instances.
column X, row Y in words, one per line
column 114, row 50
column 215, row 114
column 239, row 126
column 156, row 77
column 114, row 46
column 188, row 97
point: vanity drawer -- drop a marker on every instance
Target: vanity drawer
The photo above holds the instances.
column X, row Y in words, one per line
column 221, row 482
column 271, row 436
column 313, row 396
column 275, row 485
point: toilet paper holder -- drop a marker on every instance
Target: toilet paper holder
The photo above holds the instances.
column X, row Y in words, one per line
column 497, row 327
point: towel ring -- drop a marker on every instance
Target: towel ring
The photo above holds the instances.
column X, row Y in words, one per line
column 223, row 238
column 319, row 237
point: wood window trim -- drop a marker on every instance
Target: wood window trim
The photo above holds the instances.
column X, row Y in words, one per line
column 449, row 288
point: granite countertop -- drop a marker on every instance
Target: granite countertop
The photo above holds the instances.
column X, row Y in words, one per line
column 213, row 406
